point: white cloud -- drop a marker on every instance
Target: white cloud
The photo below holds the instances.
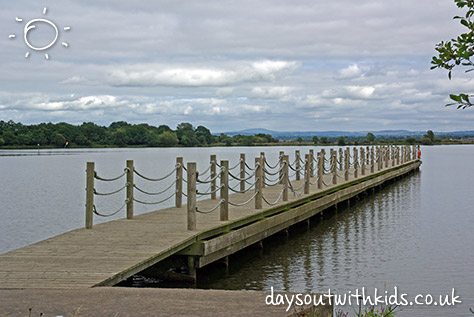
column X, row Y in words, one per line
column 271, row 92
column 162, row 75
column 350, row 72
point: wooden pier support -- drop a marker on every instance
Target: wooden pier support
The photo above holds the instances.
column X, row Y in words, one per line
column 191, row 201
column 89, row 194
column 130, row 189
column 178, row 201
column 259, row 181
column 213, row 162
column 224, row 191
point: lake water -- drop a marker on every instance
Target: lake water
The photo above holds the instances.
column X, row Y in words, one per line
column 416, row 234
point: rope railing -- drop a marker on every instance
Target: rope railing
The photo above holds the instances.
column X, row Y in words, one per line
column 246, row 202
column 271, row 167
column 209, row 180
column 113, row 192
column 94, row 209
column 96, row 176
column 242, row 191
column 154, row 203
column 155, row 179
column 157, row 193
column 276, row 201
column 210, row 192
column 212, row 209
column 339, row 165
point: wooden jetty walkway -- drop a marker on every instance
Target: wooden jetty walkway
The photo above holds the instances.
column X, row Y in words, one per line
column 247, row 203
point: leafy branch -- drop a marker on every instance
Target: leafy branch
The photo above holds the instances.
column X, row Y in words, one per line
column 458, row 51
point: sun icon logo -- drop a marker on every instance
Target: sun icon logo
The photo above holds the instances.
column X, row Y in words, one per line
column 31, row 25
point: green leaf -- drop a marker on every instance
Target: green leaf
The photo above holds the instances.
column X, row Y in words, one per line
column 455, row 97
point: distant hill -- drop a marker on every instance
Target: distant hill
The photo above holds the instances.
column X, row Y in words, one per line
column 306, row 134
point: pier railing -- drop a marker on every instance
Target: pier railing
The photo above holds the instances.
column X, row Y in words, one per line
column 221, row 178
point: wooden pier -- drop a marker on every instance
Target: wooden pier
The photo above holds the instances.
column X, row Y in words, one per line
column 266, row 199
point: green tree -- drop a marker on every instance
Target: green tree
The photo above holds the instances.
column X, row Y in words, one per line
column 430, row 135
column 203, row 135
column 458, row 51
column 58, row 139
column 299, row 139
column 370, row 137
column 168, row 138
column 341, row 141
column 426, row 141
column 2, row 141
column 410, row 140
column 324, row 140
column 315, row 139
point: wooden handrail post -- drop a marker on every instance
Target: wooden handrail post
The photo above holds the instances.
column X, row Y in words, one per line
column 262, row 156
column 393, row 155
column 397, row 154
column 130, row 189
column 285, row 178
column 356, row 160
column 372, row 160
column 334, row 167
column 340, row 158
column 213, row 161
column 191, row 201
column 242, row 171
column 362, row 162
column 346, row 164
column 259, row 182
column 224, row 208
column 311, row 163
column 297, row 165
column 179, row 182
column 320, row 169
column 89, row 194
column 280, row 163
column 387, row 156
column 307, row 171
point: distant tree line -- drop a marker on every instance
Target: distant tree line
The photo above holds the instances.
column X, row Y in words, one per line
column 120, row 133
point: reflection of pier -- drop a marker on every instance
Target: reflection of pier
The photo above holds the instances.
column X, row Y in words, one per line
column 221, row 211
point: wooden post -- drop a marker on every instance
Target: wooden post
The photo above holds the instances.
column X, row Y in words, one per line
column 89, row 194
column 398, row 155
column 393, row 155
column 387, row 156
column 340, row 159
column 242, row 172
column 285, row 179
column 362, row 162
column 262, row 156
column 224, row 208
column 356, row 160
column 129, row 189
column 311, row 163
column 320, row 169
column 334, row 167
column 191, row 201
column 280, row 160
column 307, row 171
column 179, row 182
column 258, row 182
column 213, row 161
column 297, row 165
column 346, row 164
column 372, row 160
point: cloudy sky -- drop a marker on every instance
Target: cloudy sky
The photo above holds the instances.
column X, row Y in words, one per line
column 230, row 65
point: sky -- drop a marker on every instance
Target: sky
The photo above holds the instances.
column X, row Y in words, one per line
column 229, row 65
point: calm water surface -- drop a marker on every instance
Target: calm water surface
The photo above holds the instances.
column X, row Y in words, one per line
column 416, row 234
